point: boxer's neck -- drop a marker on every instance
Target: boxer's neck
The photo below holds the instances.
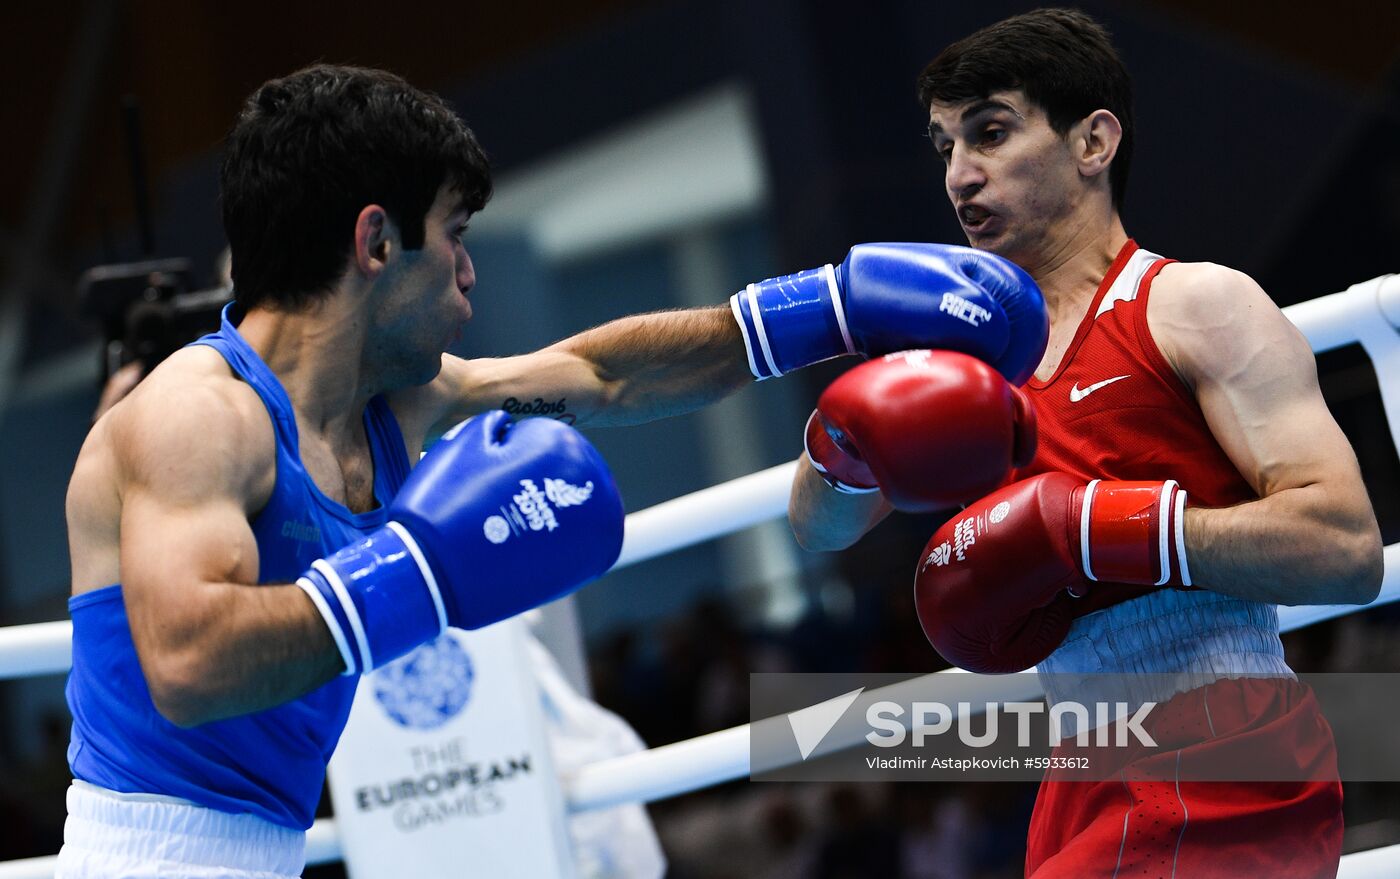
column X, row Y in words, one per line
column 318, row 354
column 1070, row 272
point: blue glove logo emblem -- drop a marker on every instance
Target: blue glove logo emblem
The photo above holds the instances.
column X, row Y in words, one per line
column 496, row 529
column 428, row 687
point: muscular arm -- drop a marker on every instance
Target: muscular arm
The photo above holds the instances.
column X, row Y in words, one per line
column 211, row 644
column 823, row 518
column 1311, row 538
column 628, row 371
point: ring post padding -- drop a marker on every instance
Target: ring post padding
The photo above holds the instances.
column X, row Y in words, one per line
column 446, row 752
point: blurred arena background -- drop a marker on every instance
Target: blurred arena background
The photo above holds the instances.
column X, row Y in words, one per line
column 658, row 154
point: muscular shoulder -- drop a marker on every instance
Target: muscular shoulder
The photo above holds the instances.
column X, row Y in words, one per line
column 1209, row 321
column 1206, row 292
column 191, row 428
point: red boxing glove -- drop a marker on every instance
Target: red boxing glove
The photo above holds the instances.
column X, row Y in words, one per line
column 933, row 428
column 842, row 472
column 995, row 584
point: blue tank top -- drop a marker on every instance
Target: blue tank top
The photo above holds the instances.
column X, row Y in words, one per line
column 271, row 763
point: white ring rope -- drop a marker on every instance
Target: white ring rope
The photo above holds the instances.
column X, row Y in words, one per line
column 1368, row 313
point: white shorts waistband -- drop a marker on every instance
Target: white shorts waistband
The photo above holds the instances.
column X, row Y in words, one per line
column 133, row 835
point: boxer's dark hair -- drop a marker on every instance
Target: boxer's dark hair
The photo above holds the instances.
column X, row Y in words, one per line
column 309, row 151
column 1062, row 59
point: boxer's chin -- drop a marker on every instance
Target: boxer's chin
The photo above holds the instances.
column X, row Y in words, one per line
column 991, row 239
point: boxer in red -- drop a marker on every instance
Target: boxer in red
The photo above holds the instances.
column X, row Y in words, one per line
column 1188, row 479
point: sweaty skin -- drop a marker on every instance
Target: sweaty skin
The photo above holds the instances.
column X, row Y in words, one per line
column 169, row 478
column 1043, row 201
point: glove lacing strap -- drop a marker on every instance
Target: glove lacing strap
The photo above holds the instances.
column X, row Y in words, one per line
column 349, row 614
column 1179, row 532
column 349, row 628
column 333, row 623
column 838, row 307
column 1132, row 525
column 748, row 308
column 425, row 569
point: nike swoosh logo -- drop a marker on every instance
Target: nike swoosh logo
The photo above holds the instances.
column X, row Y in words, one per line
column 1076, row 393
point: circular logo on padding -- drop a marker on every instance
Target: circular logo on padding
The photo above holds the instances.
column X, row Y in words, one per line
column 428, row 687
column 999, row 512
column 496, row 529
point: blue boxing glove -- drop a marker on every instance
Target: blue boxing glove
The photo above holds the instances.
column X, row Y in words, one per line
column 498, row 517
column 893, row 297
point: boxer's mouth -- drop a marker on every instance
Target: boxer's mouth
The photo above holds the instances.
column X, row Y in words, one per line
column 973, row 216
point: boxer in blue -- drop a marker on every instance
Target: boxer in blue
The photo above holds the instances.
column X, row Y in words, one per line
column 251, row 528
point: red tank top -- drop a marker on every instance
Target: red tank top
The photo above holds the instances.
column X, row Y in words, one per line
column 1115, row 409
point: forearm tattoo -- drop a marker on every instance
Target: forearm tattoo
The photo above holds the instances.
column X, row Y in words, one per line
column 558, row 410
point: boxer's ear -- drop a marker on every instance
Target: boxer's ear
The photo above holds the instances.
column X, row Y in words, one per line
column 1095, row 142
column 375, row 240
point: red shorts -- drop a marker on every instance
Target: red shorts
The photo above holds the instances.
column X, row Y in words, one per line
column 1130, row 828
